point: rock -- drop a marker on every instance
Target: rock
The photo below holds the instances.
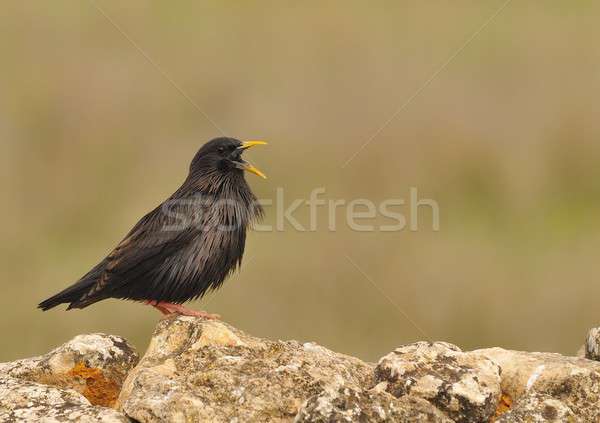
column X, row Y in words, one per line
column 204, row 370
column 592, row 344
column 94, row 365
column 538, row 408
column 465, row 386
column 199, row 370
column 375, row 405
column 532, row 379
column 25, row 401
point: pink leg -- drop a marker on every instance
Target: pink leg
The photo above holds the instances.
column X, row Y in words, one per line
column 170, row 308
column 158, row 306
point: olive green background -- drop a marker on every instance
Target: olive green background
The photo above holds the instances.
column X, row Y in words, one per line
column 505, row 138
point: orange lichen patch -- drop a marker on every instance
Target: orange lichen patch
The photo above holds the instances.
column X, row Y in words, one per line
column 98, row 389
column 503, row 406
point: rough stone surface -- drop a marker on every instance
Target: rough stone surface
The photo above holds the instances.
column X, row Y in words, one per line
column 539, row 408
column 198, row 370
column 344, row 404
column 465, row 386
column 25, row 401
column 94, row 365
column 592, row 344
column 571, row 381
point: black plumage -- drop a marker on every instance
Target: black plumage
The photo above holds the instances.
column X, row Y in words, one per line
column 185, row 247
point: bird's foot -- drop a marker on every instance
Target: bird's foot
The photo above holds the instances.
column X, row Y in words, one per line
column 170, row 308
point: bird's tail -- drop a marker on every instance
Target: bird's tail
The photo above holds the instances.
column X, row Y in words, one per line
column 74, row 293
column 69, row 295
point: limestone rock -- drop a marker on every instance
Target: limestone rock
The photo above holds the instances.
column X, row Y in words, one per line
column 25, row 401
column 592, row 344
column 539, row 408
column 572, row 382
column 199, row 370
column 94, row 365
column 465, row 386
column 350, row 405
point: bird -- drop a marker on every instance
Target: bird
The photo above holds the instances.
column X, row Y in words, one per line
column 185, row 247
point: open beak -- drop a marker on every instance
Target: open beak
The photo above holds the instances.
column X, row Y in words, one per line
column 247, row 166
column 248, row 144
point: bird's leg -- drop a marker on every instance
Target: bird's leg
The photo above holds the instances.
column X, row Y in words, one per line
column 170, row 308
column 158, row 306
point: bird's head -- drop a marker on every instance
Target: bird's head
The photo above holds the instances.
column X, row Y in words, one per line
column 223, row 156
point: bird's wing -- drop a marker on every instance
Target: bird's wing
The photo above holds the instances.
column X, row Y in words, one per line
column 156, row 237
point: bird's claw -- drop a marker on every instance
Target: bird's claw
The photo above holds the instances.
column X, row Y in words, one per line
column 170, row 308
column 200, row 314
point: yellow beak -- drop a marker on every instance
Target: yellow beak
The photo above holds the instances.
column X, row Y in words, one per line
column 247, row 166
column 248, row 144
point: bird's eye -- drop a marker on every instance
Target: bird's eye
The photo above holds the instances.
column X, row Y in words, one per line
column 221, row 150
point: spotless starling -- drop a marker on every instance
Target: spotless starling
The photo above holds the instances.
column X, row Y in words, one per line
column 185, row 247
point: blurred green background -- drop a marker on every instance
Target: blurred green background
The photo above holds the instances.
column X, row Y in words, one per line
column 505, row 138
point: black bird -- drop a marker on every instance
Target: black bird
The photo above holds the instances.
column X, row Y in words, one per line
column 185, row 247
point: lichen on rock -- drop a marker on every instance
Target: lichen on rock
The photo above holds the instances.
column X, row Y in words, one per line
column 198, row 370
column 539, row 408
column 203, row 370
column 26, row 401
column 465, row 386
column 94, row 365
column 529, row 376
column 343, row 404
